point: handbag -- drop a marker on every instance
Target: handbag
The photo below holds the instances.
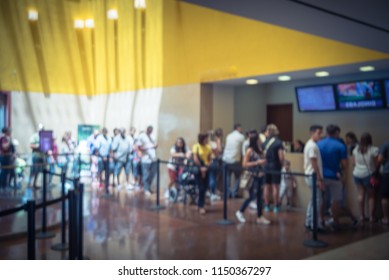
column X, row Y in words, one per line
column 375, row 180
column 246, row 179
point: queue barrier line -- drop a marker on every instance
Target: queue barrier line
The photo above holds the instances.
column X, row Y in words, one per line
column 75, row 198
column 224, row 168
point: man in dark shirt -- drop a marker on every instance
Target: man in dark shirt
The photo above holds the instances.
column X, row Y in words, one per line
column 5, row 156
column 273, row 150
column 383, row 159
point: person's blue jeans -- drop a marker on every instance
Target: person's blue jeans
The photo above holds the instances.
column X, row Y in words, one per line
column 213, row 176
column 5, row 162
column 149, row 170
column 202, row 185
column 232, row 168
column 254, row 191
column 52, row 170
column 309, row 214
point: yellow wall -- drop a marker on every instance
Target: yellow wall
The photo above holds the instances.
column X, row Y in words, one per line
column 203, row 45
column 170, row 43
column 86, row 61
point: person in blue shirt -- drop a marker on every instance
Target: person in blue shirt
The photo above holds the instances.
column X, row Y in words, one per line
column 334, row 157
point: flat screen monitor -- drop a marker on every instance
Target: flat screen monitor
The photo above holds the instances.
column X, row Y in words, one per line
column 45, row 141
column 387, row 92
column 360, row 95
column 316, row 98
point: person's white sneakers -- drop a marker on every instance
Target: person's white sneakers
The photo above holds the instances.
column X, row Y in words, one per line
column 215, row 197
column 253, row 205
column 119, row 187
column 240, row 217
column 167, row 194
column 263, row 221
column 130, row 187
column 147, row 193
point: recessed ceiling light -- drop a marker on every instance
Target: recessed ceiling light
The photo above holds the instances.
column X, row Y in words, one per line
column 322, row 74
column 251, row 81
column 366, row 68
column 284, row 78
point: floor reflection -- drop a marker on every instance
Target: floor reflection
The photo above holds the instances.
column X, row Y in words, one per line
column 123, row 226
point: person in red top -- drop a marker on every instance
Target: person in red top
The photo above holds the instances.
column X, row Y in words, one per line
column 5, row 156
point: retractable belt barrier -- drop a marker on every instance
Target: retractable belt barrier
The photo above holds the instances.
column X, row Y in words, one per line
column 314, row 242
column 75, row 218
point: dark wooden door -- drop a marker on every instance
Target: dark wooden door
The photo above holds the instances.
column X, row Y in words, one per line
column 282, row 116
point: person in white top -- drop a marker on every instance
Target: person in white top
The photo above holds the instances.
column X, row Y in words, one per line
column 121, row 147
column 147, row 146
column 232, row 157
column 129, row 164
column 178, row 154
column 313, row 164
column 365, row 157
column 103, row 145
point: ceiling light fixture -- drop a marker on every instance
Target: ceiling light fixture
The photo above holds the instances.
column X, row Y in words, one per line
column 366, row 68
column 112, row 14
column 79, row 24
column 322, row 74
column 140, row 4
column 251, row 81
column 33, row 15
column 89, row 23
column 284, row 78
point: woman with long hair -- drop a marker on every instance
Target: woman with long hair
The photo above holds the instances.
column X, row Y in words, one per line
column 253, row 161
column 365, row 159
column 202, row 152
column 178, row 153
column 274, row 152
column 215, row 141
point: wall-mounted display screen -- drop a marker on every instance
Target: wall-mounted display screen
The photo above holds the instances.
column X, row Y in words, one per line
column 360, row 95
column 387, row 92
column 316, row 98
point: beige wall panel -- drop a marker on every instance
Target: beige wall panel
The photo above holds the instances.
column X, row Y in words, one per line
column 58, row 112
column 179, row 116
column 223, row 108
column 250, row 107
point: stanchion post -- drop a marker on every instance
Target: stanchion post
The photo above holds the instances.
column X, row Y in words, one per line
column 107, row 176
column 79, row 164
column 30, row 208
column 314, row 200
column 225, row 220
column 315, row 243
column 72, row 225
column 80, row 222
column 44, row 233
column 158, row 206
column 63, row 245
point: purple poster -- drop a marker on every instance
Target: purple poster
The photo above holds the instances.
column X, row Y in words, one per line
column 45, row 140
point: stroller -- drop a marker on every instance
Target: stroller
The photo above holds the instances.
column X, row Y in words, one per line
column 17, row 174
column 187, row 182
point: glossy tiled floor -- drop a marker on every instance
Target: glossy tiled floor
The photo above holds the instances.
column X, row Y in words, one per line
column 125, row 227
